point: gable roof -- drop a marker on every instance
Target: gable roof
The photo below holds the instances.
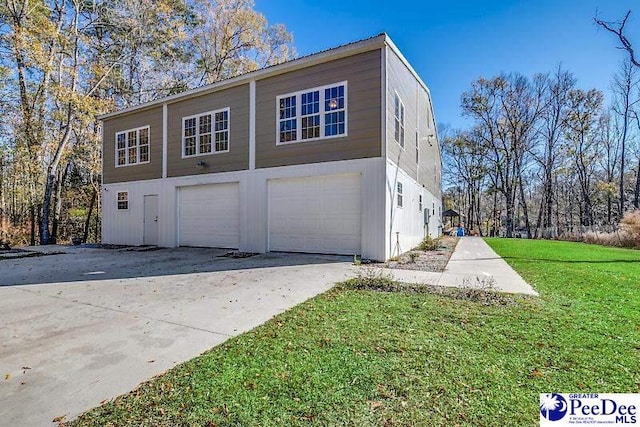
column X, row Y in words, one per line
column 349, row 49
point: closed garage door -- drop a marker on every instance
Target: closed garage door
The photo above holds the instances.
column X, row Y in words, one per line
column 209, row 216
column 315, row 214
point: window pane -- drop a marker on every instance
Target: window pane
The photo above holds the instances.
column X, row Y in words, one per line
column 288, row 130
column 131, row 139
column 205, row 143
column 190, row 146
column 133, row 155
column 288, row 107
column 144, row 136
column 311, row 127
column 222, row 141
column 123, row 200
column 144, row 153
column 334, row 98
column 222, row 121
column 122, row 140
column 205, row 124
column 334, row 123
column 122, row 157
column 310, row 103
column 190, row 127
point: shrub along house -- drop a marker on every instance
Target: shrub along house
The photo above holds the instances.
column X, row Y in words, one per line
column 335, row 152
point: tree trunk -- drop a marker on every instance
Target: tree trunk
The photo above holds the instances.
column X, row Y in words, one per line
column 46, row 208
column 33, row 225
column 87, row 223
column 58, row 206
column 525, row 211
column 636, row 193
column 510, row 212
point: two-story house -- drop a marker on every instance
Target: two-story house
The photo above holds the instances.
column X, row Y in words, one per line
column 335, row 153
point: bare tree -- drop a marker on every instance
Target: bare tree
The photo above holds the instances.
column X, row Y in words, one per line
column 506, row 110
column 580, row 133
column 625, row 88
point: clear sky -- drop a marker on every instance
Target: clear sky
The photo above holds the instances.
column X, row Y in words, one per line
column 451, row 43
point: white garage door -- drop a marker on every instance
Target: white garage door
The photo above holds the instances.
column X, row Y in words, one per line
column 315, row 214
column 209, row 216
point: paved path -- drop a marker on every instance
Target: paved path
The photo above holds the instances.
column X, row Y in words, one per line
column 474, row 264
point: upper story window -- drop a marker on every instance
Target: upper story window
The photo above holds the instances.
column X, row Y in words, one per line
column 400, row 195
column 132, row 146
column 206, row 133
column 123, row 200
column 399, row 120
column 419, row 202
column 417, row 147
column 312, row 114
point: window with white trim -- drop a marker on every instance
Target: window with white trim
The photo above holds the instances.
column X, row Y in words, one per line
column 206, row 133
column 399, row 121
column 312, row 114
column 400, row 196
column 123, row 200
column 132, row 146
column 417, row 147
column 419, row 202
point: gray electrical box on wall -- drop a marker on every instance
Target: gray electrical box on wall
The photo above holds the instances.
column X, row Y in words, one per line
column 426, row 214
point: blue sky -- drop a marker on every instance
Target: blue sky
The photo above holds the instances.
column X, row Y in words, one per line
column 452, row 43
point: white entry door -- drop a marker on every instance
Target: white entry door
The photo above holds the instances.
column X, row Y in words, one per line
column 316, row 214
column 151, row 220
column 209, row 215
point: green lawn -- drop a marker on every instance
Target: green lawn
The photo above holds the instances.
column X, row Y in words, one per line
column 352, row 357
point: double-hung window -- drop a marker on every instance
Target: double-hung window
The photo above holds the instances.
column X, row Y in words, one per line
column 132, row 146
column 123, row 200
column 400, row 195
column 419, row 202
column 206, row 133
column 312, row 114
column 399, row 120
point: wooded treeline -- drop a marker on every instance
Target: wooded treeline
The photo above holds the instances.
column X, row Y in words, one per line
column 545, row 157
column 62, row 62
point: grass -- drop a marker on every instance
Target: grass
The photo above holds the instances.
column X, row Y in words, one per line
column 354, row 357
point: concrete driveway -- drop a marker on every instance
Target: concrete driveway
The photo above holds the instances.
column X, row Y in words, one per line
column 88, row 325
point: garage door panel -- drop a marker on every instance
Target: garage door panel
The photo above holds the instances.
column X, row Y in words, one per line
column 209, row 215
column 315, row 214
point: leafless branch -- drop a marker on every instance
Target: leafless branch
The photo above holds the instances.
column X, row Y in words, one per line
column 617, row 28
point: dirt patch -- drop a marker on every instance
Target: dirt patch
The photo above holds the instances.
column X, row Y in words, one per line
column 480, row 291
column 435, row 260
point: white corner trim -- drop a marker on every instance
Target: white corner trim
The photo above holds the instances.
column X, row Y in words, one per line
column 165, row 138
column 383, row 116
column 252, row 124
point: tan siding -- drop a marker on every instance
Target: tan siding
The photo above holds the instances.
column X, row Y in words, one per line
column 418, row 117
column 363, row 74
column 430, row 162
column 151, row 170
column 237, row 99
column 400, row 80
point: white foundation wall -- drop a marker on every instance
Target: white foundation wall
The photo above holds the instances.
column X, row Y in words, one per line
column 126, row 227
column 405, row 228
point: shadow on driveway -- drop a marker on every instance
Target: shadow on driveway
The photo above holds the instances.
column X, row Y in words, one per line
column 60, row 264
